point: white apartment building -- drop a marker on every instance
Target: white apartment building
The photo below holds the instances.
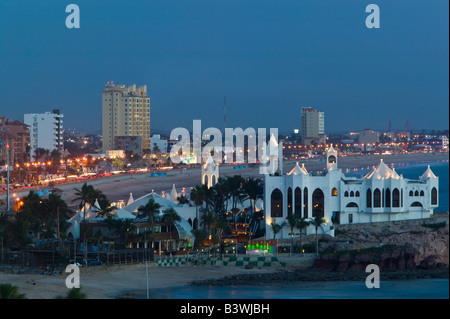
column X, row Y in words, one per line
column 125, row 112
column 46, row 131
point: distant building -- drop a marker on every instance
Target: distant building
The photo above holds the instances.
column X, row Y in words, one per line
column 398, row 136
column 368, row 137
column 129, row 143
column 115, row 153
column 444, row 142
column 313, row 126
column 46, row 131
column 17, row 135
column 125, row 112
column 160, row 143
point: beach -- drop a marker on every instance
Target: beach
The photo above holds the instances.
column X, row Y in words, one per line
column 112, row 282
column 129, row 281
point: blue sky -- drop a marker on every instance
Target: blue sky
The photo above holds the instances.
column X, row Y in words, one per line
column 268, row 57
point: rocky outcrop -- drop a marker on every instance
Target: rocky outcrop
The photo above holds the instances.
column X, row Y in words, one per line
column 402, row 245
column 386, row 257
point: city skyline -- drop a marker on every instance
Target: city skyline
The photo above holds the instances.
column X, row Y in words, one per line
column 268, row 60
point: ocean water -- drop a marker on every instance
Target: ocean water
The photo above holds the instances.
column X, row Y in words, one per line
column 395, row 289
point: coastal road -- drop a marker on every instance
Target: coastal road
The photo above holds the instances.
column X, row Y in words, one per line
column 119, row 187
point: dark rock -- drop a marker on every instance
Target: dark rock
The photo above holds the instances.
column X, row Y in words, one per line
column 429, row 262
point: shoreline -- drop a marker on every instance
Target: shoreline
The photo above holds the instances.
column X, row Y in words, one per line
column 316, row 275
column 129, row 281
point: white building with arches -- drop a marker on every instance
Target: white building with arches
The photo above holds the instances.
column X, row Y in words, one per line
column 210, row 172
column 381, row 195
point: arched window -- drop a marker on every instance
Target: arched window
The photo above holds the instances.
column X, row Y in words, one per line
column 411, row 193
column 205, row 180
column 388, row 198
column 298, row 201
column 416, row 204
column 334, row 191
column 195, row 226
column 346, row 194
column 352, row 204
column 401, row 198
column 305, row 202
column 395, row 198
column 332, row 159
column 369, row 198
column 416, row 193
column 213, row 180
column 318, row 201
column 422, row 193
column 434, row 196
column 289, row 203
column 352, row 194
column 357, row 194
column 276, row 203
column 376, row 198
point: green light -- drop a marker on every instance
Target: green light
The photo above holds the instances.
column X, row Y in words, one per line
column 253, row 247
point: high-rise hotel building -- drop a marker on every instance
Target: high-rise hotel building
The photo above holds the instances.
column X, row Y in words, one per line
column 125, row 113
column 313, row 126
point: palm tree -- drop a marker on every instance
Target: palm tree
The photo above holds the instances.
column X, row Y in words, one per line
column 221, row 225
column 122, row 228
column 236, row 190
column 83, row 194
column 170, row 216
column 74, row 293
column 182, row 199
column 8, row 291
column 149, row 210
column 88, row 194
column 317, row 222
column 301, row 224
column 199, row 235
column 254, row 191
column 276, row 228
column 209, row 220
column 292, row 221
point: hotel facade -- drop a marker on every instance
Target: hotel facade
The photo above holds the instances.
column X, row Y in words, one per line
column 125, row 112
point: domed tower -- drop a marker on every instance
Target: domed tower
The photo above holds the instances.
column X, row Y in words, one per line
column 332, row 157
column 210, row 172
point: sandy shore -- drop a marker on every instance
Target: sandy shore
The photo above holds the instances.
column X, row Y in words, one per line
column 119, row 187
column 111, row 283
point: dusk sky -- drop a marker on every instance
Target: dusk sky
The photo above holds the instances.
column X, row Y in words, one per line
column 268, row 57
